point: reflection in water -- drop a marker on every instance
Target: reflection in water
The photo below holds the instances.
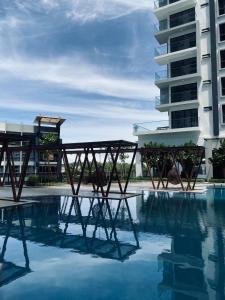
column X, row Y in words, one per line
column 99, row 215
column 62, row 222
column 193, row 225
column 8, row 270
column 194, row 267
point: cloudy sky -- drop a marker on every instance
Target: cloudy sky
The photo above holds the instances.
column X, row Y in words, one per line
column 89, row 61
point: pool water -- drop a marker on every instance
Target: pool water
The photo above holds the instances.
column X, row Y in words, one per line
column 153, row 246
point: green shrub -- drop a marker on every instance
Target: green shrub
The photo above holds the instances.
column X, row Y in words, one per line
column 33, row 180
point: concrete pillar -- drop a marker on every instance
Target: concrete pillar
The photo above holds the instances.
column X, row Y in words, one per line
column 139, row 170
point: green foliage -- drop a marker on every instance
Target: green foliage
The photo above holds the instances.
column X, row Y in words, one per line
column 48, row 138
column 218, row 155
column 33, row 180
column 48, row 179
column 154, row 145
column 189, row 144
column 162, row 145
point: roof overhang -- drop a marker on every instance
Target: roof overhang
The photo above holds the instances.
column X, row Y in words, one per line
column 49, row 120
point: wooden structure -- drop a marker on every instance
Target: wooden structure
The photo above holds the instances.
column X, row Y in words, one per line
column 176, row 165
column 6, row 142
column 87, row 155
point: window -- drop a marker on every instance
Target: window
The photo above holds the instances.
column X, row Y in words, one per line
column 183, row 17
column 223, row 86
column 183, row 67
column 221, row 7
column 223, row 114
column 164, row 96
column 183, row 42
column 222, row 58
column 184, row 92
column 222, row 32
column 184, row 118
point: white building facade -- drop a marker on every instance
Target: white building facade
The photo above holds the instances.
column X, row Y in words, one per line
column 191, row 53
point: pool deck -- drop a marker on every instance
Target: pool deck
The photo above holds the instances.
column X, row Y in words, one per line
column 134, row 187
column 5, row 203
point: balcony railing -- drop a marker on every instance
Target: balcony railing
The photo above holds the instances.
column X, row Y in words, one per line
column 161, row 50
column 161, row 100
column 161, row 75
column 162, row 25
column 161, row 3
column 148, row 127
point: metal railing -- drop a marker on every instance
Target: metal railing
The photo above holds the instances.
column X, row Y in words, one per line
column 147, row 127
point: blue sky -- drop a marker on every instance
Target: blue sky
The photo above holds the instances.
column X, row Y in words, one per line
column 88, row 61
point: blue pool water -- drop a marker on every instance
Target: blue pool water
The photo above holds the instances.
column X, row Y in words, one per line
column 155, row 246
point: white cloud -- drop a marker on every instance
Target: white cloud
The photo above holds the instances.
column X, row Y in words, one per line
column 87, row 10
column 95, row 110
column 84, row 77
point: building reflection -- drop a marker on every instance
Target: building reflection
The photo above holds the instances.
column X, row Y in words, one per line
column 194, row 266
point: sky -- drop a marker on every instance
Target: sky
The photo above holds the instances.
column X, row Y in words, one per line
column 88, row 61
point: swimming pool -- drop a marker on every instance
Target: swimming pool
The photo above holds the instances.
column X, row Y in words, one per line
column 154, row 246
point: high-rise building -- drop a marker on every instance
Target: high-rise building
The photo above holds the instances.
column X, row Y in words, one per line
column 191, row 53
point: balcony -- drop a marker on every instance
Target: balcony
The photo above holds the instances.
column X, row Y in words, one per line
column 176, row 23
column 160, row 127
column 164, row 8
column 177, row 74
column 164, row 57
column 163, row 104
column 150, row 127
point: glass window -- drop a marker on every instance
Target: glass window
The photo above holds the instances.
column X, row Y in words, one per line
column 221, row 7
column 183, row 67
column 184, row 92
column 223, row 113
column 223, row 86
column 183, row 42
column 222, row 58
column 184, row 118
column 183, row 17
column 222, row 32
